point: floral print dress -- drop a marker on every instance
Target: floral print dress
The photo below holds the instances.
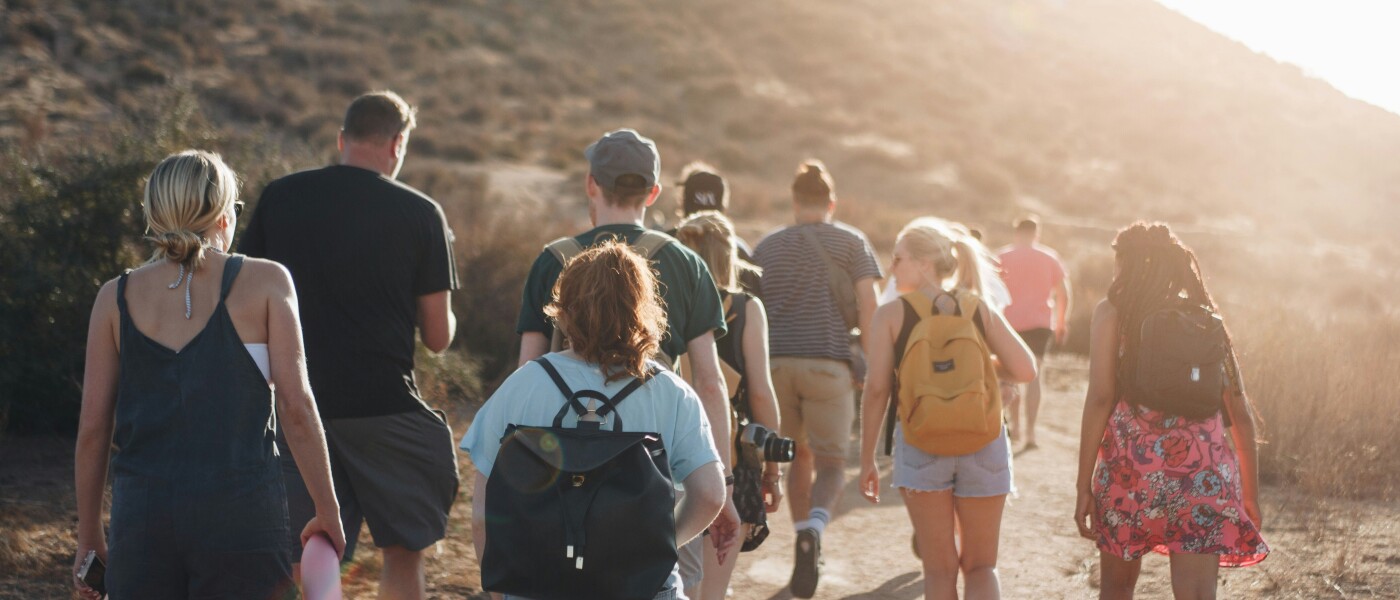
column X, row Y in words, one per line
column 1172, row 485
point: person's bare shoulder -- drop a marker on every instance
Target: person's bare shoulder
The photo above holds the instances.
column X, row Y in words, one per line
column 889, row 314
column 105, row 304
column 1105, row 312
column 268, row 277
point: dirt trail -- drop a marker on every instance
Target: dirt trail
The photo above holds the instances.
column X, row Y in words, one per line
column 867, row 549
column 1322, row 548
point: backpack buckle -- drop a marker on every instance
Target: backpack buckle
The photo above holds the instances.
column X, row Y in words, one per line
column 578, row 480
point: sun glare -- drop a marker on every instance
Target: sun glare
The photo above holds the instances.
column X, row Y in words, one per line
column 1348, row 43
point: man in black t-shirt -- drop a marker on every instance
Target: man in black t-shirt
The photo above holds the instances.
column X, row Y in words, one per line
column 372, row 262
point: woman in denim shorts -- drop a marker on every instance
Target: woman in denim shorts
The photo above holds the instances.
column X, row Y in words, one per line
column 931, row 259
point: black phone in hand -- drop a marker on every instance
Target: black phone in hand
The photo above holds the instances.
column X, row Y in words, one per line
column 93, row 572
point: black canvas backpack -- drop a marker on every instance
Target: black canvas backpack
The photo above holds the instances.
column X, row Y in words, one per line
column 580, row 512
column 1182, row 362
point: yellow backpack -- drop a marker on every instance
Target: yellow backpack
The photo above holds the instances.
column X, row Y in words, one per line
column 949, row 402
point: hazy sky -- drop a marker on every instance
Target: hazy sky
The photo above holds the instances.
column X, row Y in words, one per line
column 1352, row 44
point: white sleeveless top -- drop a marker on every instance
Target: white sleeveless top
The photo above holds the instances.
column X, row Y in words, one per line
column 259, row 354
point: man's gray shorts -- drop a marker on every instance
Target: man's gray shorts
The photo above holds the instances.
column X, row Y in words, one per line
column 398, row 473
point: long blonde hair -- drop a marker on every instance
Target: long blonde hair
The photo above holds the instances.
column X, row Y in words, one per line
column 957, row 257
column 185, row 196
column 711, row 235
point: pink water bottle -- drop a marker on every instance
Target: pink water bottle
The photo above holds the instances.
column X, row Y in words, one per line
column 320, row 570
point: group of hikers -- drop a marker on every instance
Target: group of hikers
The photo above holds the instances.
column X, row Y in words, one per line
column 666, row 382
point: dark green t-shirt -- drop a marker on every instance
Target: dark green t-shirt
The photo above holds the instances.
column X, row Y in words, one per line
column 692, row 301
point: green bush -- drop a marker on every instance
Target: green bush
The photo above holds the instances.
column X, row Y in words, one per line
column 69, row 221
column 67, row 226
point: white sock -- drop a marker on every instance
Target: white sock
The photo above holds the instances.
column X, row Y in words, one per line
column 819, row 518
column 800, row 525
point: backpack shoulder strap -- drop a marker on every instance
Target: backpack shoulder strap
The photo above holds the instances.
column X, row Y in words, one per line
column 968, row 303
column 555, row 376
column 650, row 242
column 970, row 306
column 914, row 311
column 816, row 243
column 564, row 249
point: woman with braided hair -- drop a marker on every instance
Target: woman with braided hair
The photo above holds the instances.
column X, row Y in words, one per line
column 1150, row 479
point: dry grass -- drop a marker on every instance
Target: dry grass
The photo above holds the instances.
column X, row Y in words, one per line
column 1327, row 389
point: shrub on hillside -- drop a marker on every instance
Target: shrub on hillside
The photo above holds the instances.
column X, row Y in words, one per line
column 68, row 225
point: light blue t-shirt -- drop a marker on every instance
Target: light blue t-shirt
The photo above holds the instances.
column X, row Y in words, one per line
column 665, row 405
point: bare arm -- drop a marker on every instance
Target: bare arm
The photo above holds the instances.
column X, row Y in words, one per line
column 1098, row 404
column 867, row 299
column 705, row 495
column 436, row 323
column 101, row 373
column 875, row 400
column 1243, row 433
column 1062, row 305
column 1016, row 359
column 709, row 385
column 479, row 515
column 533, row 344
column 763, row 400
column 296, row 407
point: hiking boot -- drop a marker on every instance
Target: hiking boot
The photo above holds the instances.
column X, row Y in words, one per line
column 807, row 568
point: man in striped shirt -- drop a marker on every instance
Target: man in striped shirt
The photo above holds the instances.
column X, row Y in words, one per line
column 810, row 346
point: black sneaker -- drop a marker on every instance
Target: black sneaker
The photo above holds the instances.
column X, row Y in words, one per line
column 807, row 568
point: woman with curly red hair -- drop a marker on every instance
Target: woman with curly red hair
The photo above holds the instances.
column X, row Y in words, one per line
column 606, row 304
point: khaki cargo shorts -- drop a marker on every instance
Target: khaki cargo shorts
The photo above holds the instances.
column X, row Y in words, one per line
column 816, row 402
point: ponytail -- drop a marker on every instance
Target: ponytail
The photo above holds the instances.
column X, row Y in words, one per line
column 954, row 254
column 969, row 275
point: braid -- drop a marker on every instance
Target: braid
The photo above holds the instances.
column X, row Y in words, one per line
column 1153, row 271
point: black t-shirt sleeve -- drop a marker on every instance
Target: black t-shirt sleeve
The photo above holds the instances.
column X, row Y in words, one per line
column 254, row 241
column 437, row 271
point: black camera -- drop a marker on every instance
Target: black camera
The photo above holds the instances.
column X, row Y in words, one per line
column 773, row 447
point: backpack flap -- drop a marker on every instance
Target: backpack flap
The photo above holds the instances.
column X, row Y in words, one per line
column 1181, row 360
column 578, row 451
column 949, row 402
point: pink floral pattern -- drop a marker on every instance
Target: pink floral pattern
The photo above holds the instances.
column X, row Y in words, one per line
column 1170, row 484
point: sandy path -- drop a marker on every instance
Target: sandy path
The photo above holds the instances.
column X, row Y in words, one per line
column 867, row 553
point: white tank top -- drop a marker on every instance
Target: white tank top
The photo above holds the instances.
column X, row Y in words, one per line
column 259, row 354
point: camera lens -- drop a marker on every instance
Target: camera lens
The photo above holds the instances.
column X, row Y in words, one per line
column 778, row 449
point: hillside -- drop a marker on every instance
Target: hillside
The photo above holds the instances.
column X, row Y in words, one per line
column 1094, row 109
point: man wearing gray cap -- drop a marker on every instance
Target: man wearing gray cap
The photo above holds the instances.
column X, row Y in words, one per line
column 623, row 180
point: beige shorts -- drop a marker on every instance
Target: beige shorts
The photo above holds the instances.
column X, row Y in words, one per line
column 816, row 402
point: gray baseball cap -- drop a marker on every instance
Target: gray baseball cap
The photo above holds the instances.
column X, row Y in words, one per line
column 623, row 152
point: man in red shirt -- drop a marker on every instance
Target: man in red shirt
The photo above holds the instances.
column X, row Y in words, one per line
column 1039, row 308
